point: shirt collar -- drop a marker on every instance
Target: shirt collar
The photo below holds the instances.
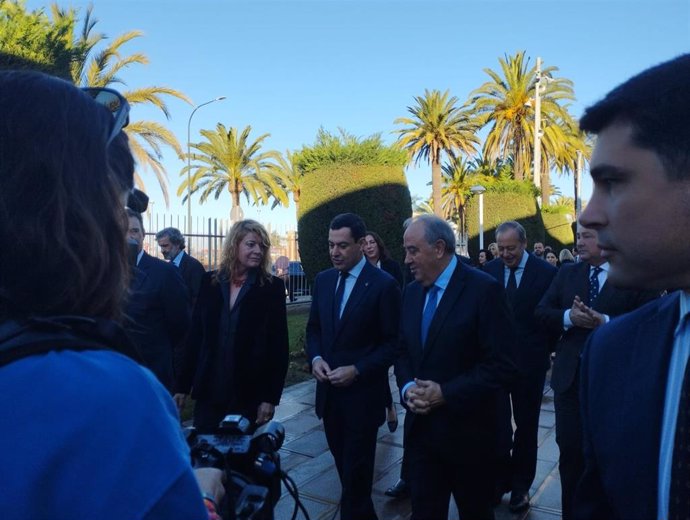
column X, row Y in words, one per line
column 604, row 267
column 141, row 253
column 444, row 278
column 357, row 269
column 684, row 308
column 178, row 259
column 522, row 264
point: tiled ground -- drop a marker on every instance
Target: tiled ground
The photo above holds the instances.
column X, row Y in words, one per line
column 307, row 460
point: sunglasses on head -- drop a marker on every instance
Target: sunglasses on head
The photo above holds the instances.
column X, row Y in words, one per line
column 116, row 104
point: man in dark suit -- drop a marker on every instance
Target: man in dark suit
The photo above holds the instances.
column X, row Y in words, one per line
column 458, row 343
column 172, row 244
column 635, row 377
column 526, row 279
column 579, row 300
column 351, row 342
column 158, row 312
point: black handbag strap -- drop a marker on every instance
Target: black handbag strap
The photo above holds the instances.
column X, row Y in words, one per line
column 34, row 336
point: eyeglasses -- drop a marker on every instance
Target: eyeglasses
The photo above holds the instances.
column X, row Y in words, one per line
column 116, row 104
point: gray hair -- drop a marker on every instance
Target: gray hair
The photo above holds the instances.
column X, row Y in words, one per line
column 173, row 234
column 511, row 224
column 435, row 228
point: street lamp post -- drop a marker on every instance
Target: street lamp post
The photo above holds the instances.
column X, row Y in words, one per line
column 478, row 189
column 189, row 162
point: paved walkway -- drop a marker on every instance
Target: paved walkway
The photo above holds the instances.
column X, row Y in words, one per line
column 306, row 458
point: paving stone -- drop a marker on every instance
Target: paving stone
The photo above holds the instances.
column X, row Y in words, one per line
column 308, row 469
column 316, row 509
column 542, row 434
column 544, row 469
column 288, row 409
column 300, row 425
column 548, row 450
column 312, row 443
column 289, row 460
column 325, row 487
column 549, row 494
column 387, row 455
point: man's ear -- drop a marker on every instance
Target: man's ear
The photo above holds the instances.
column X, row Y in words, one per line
column 439, row 248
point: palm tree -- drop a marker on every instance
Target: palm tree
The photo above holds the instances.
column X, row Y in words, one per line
column 289, row 176
column 457, row 181
column 438, row 125
column 230, row 160
column 506, row 102
column 101, row 69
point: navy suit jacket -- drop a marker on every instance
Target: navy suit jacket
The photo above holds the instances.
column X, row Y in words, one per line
column 571, row 280
column 622, row 391
column 158, row 315
column 469, row 351
column 534, row 341
column 365, row 336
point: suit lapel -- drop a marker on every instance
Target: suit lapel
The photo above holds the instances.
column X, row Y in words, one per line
column 358, row 291
column 529, row 273
column 455, row 287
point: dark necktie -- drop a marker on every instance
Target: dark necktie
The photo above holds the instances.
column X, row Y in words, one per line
column 429, row 311
column 340, row 291
column 511, row 287
column 679, row 492
column 594, row 285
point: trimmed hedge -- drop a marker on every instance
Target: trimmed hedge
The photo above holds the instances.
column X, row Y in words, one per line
column 552, row 229
column 378, row 194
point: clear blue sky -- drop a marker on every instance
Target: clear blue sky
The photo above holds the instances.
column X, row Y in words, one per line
column 288, row 67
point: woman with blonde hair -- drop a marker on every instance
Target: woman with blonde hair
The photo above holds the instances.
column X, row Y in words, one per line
column 237, row 352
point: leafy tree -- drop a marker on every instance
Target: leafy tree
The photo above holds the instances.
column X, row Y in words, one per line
column 438, row 126
column 289, row 176
column 458, row 178
column 229, row 160
column 53, row 44
column 29, row 40
column 506, row 102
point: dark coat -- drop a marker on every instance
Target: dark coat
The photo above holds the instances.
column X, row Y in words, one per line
column 248, row 368
column 393, row 268
column 469, row 351
column 365, row 336
column 192, row 272
column 571, row 280
column 623, row 386
column 534, row 341
column 157, row 315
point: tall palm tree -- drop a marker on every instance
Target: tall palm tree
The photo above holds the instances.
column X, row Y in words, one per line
column 147, row 139
column 457, row 181
column 506, row 102
column 289, row 175
column 437, row 126
column 230, row 160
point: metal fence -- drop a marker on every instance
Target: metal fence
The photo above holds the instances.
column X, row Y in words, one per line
column 205, row 243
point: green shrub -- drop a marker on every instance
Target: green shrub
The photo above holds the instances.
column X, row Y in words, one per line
column 378, row 194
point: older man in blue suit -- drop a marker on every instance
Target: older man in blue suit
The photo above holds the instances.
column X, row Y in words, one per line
column 635, row 386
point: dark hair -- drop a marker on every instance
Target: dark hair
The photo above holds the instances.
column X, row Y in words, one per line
column 487, row 253
column 352, row 221
column 173, row 234
column 136, row 215
column 511, row 224
column 657, row 105
column 383, row 251
column 60, row 202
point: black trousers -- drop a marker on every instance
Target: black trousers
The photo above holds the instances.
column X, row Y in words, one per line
column 571, row 463
column 353, row 445
column 518, row 449
column 435, row 475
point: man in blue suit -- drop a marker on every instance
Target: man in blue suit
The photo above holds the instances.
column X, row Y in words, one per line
column 351, row 342
column 526, row 278
column 158, row 309
column 635, row 382
column 458, row 344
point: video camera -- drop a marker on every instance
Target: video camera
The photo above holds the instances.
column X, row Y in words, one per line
column 251, row 463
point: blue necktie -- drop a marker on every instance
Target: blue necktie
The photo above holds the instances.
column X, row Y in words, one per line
column 340, row 291
column 429, row 312
column 594, row 285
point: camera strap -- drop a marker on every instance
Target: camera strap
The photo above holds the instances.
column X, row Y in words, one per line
column 40, row 335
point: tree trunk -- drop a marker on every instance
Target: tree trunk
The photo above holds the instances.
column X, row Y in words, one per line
column 436, row 186
column 236, row 212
